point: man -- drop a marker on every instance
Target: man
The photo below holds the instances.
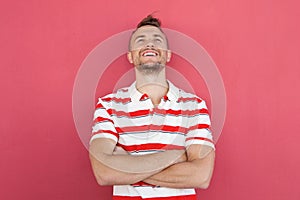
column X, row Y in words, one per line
column 151, row 140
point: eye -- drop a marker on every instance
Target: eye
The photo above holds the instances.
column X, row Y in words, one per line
column 158, row 40
column 141, row 40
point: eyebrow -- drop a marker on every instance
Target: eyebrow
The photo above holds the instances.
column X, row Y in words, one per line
column 143, row 36
column 157, row 35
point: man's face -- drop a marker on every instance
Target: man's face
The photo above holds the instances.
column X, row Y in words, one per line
column 148, row 48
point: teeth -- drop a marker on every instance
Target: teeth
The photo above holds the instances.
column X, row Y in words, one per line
column 149, row 54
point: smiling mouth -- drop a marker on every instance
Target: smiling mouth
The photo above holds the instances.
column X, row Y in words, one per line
column 148, row 53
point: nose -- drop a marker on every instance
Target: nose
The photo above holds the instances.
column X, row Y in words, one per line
column 150, row 44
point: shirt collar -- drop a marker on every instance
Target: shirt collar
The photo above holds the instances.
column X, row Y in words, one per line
column 172, row 94
column 135, row 95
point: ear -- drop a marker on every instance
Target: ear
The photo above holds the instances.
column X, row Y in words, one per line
column 169, row 55
column 129, row 57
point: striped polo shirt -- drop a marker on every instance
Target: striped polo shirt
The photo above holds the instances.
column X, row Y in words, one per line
column 129, row 118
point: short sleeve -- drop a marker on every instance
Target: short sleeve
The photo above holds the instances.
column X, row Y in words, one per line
column 199, row 131
column 103, row 124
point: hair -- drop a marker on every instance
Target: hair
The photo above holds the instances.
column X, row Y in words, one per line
column 148, row 21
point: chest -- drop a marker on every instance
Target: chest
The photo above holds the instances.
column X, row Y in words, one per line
column 151, row 129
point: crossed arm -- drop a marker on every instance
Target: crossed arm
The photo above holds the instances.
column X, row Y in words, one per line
column 195, row 172
column 172, row 168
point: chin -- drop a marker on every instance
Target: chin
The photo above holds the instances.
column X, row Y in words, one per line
column 150, row 68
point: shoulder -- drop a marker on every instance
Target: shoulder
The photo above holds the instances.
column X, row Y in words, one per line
column 189, row 98
column 121, row 96
column 190, row 101
column 186, row 96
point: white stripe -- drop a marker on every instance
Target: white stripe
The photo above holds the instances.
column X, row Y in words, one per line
column 106, row 125
column 146, row 104
column 127, row 122
column 129, row 107
column 158, row 137
column 205, row 133
column 148, row 192
column 203, row 119
column 104, row 135
column 155, row 120
column 101, row 112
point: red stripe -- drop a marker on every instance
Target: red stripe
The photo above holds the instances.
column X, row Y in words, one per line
column 199, row 138
column 141, row 183
column 199, row 126
column 106, row 131
column 150, row 146
column 182, row 112
column 132, row 129
column 139, row 113
column 183, row 197
column 185, row 99
column 126, row 198
column 151, row 128
column 99, row 105
column 170, row 112
column 173, row 128
column 203, row 111
column 128, row 114
column 183, row 130
column 117, row 100
column 144, row 97
column 102, row 119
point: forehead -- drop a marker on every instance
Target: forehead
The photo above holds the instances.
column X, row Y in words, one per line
column 148, row 31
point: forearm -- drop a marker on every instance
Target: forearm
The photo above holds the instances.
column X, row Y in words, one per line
column 108, row 176
column 111, row 169
column 150, row 163
column 189, row 174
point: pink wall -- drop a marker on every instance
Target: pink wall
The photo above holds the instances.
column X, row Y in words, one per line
column 255, row 45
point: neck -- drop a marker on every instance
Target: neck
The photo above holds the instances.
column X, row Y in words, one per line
column 154, row 85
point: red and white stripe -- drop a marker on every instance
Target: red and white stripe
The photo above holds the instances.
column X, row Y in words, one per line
column 129, row 118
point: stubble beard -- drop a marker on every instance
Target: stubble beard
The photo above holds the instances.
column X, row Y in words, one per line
column 150, row 68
